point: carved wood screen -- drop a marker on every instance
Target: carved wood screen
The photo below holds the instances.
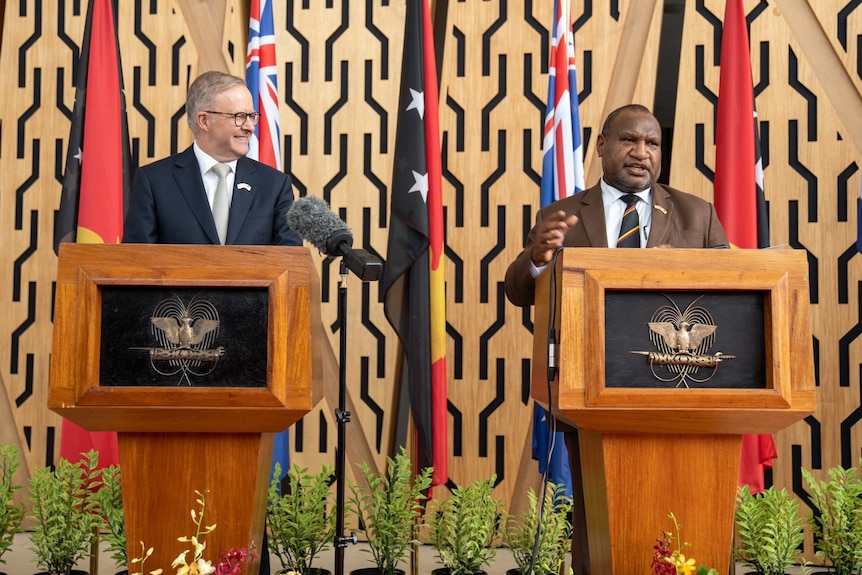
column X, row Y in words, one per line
column 339, row 67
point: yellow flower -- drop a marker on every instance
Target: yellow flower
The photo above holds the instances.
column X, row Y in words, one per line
column 180, row 560
column 684, row 566
column 204, row 567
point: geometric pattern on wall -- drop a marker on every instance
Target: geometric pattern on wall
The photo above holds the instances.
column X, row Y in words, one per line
column 339, row 72
column 806, row 79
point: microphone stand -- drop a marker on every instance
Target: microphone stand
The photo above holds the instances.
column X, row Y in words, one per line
column 342, row 417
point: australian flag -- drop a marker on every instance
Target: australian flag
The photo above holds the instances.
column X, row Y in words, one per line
column 262, row 81
column 562, row 176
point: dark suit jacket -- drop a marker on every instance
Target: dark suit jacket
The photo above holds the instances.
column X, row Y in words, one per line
column 678, row 219
column 169, row 205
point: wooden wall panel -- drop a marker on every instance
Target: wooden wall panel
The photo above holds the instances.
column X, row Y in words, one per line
column 340, row 84
column 339, row 73
column 811, row 180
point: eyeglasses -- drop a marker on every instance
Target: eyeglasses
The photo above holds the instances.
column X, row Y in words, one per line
column 239, row 118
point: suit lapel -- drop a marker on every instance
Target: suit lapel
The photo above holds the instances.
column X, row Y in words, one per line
column 187, row 174
column 592, row 216
column 662, row 210
column 244, row 187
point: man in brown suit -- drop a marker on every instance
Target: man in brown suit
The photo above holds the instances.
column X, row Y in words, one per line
column 630, row 148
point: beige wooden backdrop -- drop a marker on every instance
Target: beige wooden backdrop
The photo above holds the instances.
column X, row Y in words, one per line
column 339, row 66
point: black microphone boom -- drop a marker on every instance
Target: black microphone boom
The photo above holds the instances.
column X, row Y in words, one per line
column 311, row 218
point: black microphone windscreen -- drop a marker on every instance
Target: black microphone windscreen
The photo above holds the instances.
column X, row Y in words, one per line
column 311, row 218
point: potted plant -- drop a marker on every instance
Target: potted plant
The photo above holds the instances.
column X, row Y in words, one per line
column 770, row 530
column 299, row 522
column 464, row 528
column 110, row 498
column 65, row 513
column 556, row 530
column 390, row 510
column 11, row 513
column 837, row 518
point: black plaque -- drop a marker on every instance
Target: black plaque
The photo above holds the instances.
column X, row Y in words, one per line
column 740, row 332
column 136, row 351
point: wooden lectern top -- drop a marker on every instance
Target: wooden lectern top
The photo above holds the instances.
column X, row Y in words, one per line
column 742, row 361
column 191, row 338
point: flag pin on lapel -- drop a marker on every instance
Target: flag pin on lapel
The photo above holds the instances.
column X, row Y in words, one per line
column 244, row 186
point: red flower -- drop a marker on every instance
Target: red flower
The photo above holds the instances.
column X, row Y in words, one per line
column 660, row 566
column 232, row 561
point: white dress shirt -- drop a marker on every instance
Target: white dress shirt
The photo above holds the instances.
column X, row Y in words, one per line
column 210, row 178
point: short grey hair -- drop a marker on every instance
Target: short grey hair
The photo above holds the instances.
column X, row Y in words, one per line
column 203, row 90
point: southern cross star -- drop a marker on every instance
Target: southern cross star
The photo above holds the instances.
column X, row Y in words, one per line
column 417, row 103
column 420, row 184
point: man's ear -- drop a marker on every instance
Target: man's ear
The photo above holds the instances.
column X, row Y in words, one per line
column 202, row 121
column 600, row 144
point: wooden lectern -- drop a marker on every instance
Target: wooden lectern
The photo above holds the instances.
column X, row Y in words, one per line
column 195, row 355
column 663, row 359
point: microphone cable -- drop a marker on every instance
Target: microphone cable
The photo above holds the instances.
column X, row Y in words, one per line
column 550, row 419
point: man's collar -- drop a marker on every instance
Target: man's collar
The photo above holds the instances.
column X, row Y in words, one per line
column 206, row 162
column 612, row 194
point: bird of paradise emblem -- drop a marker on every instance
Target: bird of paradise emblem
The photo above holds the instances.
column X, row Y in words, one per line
column 187, row 336
column 683, row 340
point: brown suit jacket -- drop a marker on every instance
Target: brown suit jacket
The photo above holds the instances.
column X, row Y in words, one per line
column 679, row 219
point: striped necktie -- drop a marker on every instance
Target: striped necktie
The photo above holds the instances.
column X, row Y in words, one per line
column 630, row 235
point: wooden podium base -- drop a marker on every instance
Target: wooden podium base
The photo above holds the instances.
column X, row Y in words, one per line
column 160, row 473
column 632, row 481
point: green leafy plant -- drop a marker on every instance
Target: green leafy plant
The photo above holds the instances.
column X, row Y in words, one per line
column 390, row 510
column 11, row 513
column 299, row 524
column 556, row 530
column 65, row 513
column 837, row 523
column 464, row 528
column 110, row 497
column 770, row 530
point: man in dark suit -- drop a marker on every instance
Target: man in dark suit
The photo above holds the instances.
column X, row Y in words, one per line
column 173, row 200
column 177, row 200
column 630, row 149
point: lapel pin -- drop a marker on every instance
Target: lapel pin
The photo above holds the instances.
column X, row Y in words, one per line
column 661, row 209
column 243, row 186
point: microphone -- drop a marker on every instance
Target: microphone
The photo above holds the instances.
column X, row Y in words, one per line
column 311, row 218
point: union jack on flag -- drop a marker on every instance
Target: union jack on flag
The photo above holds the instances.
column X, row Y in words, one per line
column 562, row 176
column 563, row 158
column 262, row 81
column 260, row 77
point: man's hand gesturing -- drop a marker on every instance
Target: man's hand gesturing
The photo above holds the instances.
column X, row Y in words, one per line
column 550, row 236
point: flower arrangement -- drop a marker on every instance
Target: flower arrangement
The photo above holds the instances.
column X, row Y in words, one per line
column 230, row 562
column 668, row 560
